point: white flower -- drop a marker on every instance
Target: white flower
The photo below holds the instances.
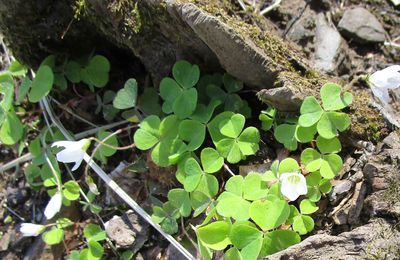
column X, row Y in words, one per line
column 293, row 184
column 73, row 152
column 31, row 230
column 383, row 80
column 54, row 205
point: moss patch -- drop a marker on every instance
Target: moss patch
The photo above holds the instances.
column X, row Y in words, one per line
column 367, row 123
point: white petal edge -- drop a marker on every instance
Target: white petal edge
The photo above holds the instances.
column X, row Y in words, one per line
column 54, row 206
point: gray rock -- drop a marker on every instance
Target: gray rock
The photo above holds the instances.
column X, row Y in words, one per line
column 329, row 46
column 377, row 238
column 361, row 26
column 127, row 231
column 392, row 140
column 340, row 190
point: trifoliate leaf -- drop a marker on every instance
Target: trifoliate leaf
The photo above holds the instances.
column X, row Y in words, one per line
column 277, row 211
column 332, row 122
column 288, row 165
column 224, row 206
column 332, row 99
column 11, row 130
column 211, row 160
column 180, row 199
column 303, row 224
column 310, row 111
column 233, row 126
column 53, row 236
column 186, row 74
column 193, row 133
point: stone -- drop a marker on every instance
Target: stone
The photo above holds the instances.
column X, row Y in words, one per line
column 340, row 189
column 392, row 140
column 360, row 25
column 127, row 231
column 329, row 46
column 377, row 238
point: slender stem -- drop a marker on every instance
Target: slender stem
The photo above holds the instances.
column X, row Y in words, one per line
column 226, row 167
column 271, row 7
column 242, row 5
column 187, row 235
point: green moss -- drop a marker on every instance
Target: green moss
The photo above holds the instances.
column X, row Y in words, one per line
column 367, row 123
column 128, row 13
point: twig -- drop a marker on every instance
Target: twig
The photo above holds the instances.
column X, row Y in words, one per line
column 242, row 5
column 271, row 7
column 187, row 235
column 226, row 167
column 392, row 44
column 114, row 186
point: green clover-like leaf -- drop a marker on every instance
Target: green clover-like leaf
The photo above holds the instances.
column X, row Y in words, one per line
column 193, row 174
column 276, row 209
column 328, row 164
column 11, row 130
column 53, row 236
column 254, row 187
column 310, row 111
column 42, row 84
column 307, row 207
column 126, row 97
column 278, row 240
column 180, row 199
column 332, row 122
column 192, row 132
column 267, row 118
column 185, row 103
column 285, row 134
column 186, row 74
column 224, row 207
column 328, row 145
column 211, row 160
column 332, row 99
column 96, row 73
column 231, row 84
column 169, row 91
column 233, row 126
column 288, row 165
column 215, row 235
column 303, row 224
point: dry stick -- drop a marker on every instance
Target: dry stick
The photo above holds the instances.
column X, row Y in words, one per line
column 226, row 167
column 114, row 186
column 242, row 5
column 271, row 7
column 28, row 156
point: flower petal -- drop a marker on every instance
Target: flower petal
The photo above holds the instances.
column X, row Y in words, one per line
column 67, row 156
column 54, row 205
column 29, row 229
column 77, row 164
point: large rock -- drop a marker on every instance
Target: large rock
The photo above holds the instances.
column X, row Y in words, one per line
column 330, row 49
column 361, row 26
column 377, row 238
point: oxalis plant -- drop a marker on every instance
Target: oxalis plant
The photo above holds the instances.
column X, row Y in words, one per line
column 257, row 214
column 200, row 130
